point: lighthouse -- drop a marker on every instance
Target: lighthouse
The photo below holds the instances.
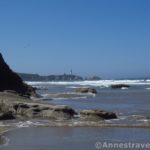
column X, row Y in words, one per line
column 71, row 72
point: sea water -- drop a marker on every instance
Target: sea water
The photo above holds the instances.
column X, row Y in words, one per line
column 130, row 104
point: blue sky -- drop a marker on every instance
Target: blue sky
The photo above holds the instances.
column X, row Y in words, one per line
column 109, row 38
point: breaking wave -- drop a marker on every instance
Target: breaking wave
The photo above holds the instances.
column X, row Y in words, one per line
column 100, row 83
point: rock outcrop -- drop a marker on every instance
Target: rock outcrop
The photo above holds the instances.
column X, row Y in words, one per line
column 86, row 90
column 119, row 86
column 12, row 105
column 97, row 115
column 9, row 80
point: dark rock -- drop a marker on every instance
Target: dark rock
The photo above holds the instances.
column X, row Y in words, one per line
column 86, row 90
column 97, row 115
column 37, row 110
column 10, row 81
column 35, row 106
column 7, row 116
column 119, row 86
column 64, row 109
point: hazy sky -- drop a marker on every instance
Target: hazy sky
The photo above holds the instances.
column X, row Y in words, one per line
column 109, row 38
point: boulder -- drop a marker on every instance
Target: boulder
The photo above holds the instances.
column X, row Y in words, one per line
column 119, row 86
column 86, row 90
column 97, row 115
column 7, row 116
column 60, row 112
column 10, row 80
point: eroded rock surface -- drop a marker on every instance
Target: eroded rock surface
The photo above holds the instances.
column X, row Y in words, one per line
column 86, row 90
column 97, row 115
column 21, row 107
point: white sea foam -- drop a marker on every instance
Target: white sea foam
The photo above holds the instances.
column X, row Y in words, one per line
column 28, row 124
column 124, row 88
column 72, row 87
column 143, row 120
column 123, row 117
column 100, row 83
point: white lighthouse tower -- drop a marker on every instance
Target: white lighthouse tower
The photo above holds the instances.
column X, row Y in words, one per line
column 71, row 72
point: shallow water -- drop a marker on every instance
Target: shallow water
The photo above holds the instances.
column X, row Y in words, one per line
column 45, row 138
column 131, row 105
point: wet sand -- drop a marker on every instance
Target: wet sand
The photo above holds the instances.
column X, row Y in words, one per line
column 4, row 129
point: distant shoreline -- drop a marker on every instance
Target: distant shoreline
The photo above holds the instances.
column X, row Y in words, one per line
column 63, row 77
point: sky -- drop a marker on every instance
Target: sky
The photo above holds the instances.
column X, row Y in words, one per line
column 108, row 38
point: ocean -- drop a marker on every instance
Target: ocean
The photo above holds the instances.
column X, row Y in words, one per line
column 130, row 104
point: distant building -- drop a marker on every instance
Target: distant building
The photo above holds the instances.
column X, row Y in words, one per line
column 71, row 72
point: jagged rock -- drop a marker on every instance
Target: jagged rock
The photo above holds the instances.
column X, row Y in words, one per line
column 119, row 86
column 97, row 115
column 9, row 80
column 7, row 116
column 86, row 90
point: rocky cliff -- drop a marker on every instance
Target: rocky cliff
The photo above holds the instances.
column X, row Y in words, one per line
column 9, row 80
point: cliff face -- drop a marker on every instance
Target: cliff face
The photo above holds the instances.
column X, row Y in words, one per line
column 9, row 80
